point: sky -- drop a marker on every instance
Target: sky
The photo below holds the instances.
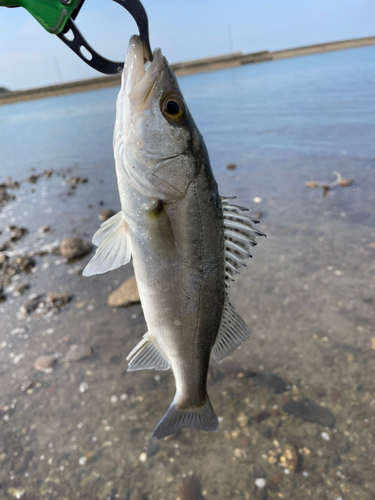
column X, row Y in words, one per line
column 31, row 57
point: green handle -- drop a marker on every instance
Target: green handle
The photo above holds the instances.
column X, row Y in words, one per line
column 51, row 14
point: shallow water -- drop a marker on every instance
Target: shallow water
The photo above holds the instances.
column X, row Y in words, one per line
column 308, row 296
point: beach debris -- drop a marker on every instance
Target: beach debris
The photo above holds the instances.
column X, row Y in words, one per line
column 57, row 299
column 307, row 410
column 45, row 363
column 270, row 381
column 78, row 352
column 340, row 181
column 125, row 294
column 73, row 248
column 20, row 289
column 231, row 166
column 106, row 214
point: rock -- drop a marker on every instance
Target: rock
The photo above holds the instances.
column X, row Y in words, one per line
column 78, row 352
column 23, row 263
column 28, row 384
column 5, row 246
column 73, row 181
column 231, row 166
column 5, row 196
column 3, row 259
column 31, row 304
column 57, row 299
column 45, row 362
column 33, row 178
column 106, row 213
column 126, row 294
column 44, row 229
column 72, row 248
column 190, row 489
column 270, row 381
column 2, row 294
column 17, row 233
column 20, row 289
column 307, row 410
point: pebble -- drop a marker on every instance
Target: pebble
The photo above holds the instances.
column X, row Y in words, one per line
column 126, row 294
column 143, row 457
column 20, row 289
column 16, row 492
column 17, row 232
column 72, row 248
column 307, row 410
column 83, row 387
column 231, row 166
column 113, row 399
column 325, row 436
column 78, row 352
column 345, row 182
column 260, row 482
column 106, row 214
column 44, row 229
column 82, row 461
column 257, row 199
column 45, row 362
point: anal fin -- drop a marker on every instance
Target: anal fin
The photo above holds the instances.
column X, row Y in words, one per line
column 147, row 356
column 113, row 246
column 233, row 331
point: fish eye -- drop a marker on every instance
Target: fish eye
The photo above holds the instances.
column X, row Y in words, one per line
column 172, row 107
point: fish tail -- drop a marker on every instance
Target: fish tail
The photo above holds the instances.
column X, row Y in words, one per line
column 202, row 417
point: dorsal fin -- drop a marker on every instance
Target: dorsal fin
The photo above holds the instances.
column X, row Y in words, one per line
column 239, row 238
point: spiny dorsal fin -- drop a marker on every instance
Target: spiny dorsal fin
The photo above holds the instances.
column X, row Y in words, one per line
column 147, row 356
column 113, row 246
column 232, row 332
column 239, row 238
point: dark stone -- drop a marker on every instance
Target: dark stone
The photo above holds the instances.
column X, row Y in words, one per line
column 270, row 381
column 307, row 410
column 78, row 352
column 31, row 304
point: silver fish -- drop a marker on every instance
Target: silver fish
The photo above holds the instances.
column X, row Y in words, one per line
column 187, row 242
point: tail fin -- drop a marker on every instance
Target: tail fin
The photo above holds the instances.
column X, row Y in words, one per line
column 202, row 417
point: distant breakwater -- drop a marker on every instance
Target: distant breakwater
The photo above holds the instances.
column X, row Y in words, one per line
column 231, row 60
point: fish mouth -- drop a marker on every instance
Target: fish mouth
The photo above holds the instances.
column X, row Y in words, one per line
column 140, row 75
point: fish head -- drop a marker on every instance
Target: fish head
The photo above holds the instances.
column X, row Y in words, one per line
column 156, row 139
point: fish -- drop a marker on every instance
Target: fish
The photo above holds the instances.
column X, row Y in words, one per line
column 186, row 241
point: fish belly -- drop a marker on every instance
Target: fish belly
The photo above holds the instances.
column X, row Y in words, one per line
column 181, row 283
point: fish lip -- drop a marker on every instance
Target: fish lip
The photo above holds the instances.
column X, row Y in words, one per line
column 141, row 75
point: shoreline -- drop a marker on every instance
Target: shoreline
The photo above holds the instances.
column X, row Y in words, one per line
column 186, row 68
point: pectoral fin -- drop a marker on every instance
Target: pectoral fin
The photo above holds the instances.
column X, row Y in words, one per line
column 147, row 356
column 113, row 246
column 159, row 231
